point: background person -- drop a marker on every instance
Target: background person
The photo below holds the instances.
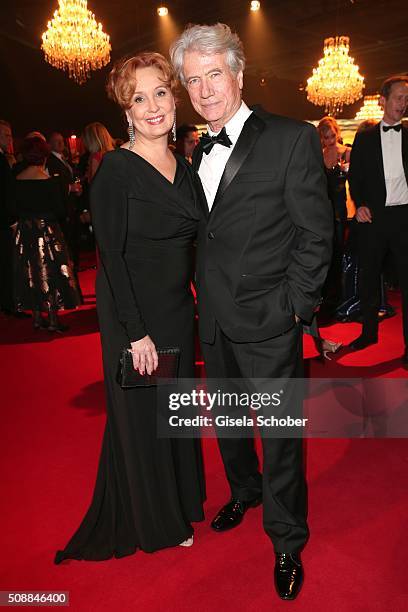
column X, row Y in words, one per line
column 44, row 279
column 336, row 158
column 6, row 237
column 97, row 141
column 379, row 187
column 58, row 165
column 186, row 140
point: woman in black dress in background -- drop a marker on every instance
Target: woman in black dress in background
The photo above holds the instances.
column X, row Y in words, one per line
column 148, row 489
column 43, row 271
column 336, row 161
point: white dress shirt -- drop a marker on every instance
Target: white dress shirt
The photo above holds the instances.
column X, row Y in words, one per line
column 212, row 165
column 395, row 181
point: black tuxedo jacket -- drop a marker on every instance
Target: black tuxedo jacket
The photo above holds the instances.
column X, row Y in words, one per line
column 264, row 250
column 56, row 167
column 366, row 174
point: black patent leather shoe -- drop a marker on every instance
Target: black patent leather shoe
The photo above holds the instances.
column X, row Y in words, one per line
column 362, row 342
column 231, row 514
column 288, row 575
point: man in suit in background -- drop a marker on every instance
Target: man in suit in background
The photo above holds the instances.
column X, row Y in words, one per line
column 6, row 236
column 56, row 162
column 58, row 165
column 378, row 180
column 263, row 252
column 187, row 140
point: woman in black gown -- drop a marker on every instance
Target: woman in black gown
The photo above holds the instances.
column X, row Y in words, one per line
column 336, row 162
column 148, row 489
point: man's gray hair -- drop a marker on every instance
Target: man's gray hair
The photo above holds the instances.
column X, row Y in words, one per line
column 208, row 40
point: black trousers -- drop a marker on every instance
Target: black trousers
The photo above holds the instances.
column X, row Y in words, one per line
column 282, row 483
column 387, row 232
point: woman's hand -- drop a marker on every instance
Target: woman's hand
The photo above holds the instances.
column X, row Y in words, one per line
column 144, row 355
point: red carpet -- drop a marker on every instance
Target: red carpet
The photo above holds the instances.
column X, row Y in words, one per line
column 52, row 422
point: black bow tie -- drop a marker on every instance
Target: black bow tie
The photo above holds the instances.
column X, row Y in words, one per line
column 207, row 142
column 397, row 127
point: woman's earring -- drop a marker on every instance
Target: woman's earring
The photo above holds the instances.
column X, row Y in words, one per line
column 173, row 129
column 131, row 132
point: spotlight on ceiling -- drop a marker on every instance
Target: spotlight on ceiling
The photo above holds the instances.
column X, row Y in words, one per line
column 162, row 11
column 255, row 5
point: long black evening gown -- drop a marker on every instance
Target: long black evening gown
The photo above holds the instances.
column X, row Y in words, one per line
column 336, row 184
column 148, row 489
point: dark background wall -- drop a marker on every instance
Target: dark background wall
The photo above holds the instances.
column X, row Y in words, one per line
column 282, row 48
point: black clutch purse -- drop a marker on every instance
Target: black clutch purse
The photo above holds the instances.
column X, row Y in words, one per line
column 166, row 372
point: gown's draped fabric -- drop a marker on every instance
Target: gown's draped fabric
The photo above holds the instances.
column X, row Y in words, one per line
column 148, row 489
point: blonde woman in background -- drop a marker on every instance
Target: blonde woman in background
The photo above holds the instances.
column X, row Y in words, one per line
column 97, row 142
column 334, row 151
column 336, row 161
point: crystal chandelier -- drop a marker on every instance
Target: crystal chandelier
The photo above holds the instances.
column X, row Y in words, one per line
column 336, row 80
column 370, row 109
column 74, row 41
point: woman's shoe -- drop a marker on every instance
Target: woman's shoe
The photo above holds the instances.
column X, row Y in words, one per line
column 187, row 543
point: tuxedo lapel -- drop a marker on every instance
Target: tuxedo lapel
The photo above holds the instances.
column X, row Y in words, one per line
column 250, row 133
column 377, row 151
column 64, row 166
column 196, row 161
column 57, row 167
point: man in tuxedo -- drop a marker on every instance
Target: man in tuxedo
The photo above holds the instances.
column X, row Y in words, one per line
column 56, row 162
column 57, row 165
column 378, row 180
column 263, row 252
